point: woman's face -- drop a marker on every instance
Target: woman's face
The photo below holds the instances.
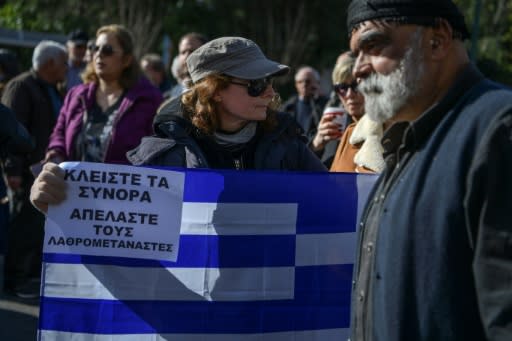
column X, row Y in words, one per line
column 353, row 100
column 236, row 107
column 109, row 58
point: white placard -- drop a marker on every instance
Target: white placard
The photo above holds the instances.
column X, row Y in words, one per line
column 117, row 210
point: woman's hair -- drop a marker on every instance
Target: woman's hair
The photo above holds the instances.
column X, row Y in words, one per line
column 132, row 72
column 200, row 106
column 343, row 68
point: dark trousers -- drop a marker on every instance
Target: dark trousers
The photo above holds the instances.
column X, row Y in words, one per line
column 25, row 235
column 4, row 217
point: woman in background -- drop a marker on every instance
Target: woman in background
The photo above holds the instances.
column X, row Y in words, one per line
column 110, row 113
column 360, row 149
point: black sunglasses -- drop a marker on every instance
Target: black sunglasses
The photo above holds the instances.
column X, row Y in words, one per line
column 105, row 50
column 255, row 87
column 342, row 88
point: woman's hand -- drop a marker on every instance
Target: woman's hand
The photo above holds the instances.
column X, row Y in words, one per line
column 49, row 187
column 327, row 131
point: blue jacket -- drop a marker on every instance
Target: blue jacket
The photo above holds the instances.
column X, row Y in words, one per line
column 441, row 257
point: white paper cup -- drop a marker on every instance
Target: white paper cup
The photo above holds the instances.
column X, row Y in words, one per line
column 340, row 116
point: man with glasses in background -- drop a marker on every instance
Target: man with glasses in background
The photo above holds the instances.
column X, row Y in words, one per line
column 307, row 106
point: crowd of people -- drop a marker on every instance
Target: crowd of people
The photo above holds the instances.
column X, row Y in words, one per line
column 433, row 259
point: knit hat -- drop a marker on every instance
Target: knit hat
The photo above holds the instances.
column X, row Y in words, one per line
column 419, row 12
column 232, row 56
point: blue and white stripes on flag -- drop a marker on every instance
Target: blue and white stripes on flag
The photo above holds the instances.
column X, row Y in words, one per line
column 262, row 256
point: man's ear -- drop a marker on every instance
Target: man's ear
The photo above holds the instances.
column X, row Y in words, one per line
column 440, row 40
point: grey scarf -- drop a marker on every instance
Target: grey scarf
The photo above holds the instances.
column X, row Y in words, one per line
column 240, row 137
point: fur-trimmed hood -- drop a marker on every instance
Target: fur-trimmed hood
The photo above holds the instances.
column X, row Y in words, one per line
column 369, row 133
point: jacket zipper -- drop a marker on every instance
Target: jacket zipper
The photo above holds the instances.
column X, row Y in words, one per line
column 238, row 162
column 85, row 118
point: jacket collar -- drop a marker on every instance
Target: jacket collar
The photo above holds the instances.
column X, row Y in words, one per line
column 368, row 134
column 41, row 82
column 88, row 90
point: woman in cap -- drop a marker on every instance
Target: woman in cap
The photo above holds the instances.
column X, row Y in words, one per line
column 227, row 120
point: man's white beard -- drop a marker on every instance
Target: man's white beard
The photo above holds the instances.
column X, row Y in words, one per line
column 386, row 95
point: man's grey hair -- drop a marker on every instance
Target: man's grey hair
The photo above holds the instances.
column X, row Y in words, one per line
column 45, row 51
column 307, row 68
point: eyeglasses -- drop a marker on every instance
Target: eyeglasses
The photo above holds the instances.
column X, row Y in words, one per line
column 342, row 88
column 106, row 50
column 255, row 87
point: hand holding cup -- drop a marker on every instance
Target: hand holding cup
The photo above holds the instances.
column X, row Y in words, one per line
column 331, row 127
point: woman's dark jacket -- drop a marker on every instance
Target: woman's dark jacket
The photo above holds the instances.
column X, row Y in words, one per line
column 176, row 144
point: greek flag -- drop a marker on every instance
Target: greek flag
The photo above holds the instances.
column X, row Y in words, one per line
column 262, row 256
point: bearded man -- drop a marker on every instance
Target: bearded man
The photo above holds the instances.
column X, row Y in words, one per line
column 435, row 241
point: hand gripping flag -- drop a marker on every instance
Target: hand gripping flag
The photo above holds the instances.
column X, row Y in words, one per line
column 262, row 256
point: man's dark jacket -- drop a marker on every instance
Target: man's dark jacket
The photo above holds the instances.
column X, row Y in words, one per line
column 442, row 254
column 317, row 109
column 28, row 98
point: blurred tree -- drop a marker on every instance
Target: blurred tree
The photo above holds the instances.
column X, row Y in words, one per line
column 294, row 32
column 145, row 20
column 494, row 46
column 289, row 30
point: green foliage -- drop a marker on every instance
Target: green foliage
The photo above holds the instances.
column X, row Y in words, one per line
column 10, row 16
column 494, row 33
column 292, row 31
column 323, row 21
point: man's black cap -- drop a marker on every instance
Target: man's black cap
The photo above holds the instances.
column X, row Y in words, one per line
column 419, row 12
column 78, row 37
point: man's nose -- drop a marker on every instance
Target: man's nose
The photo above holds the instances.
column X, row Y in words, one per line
column 362, row 67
